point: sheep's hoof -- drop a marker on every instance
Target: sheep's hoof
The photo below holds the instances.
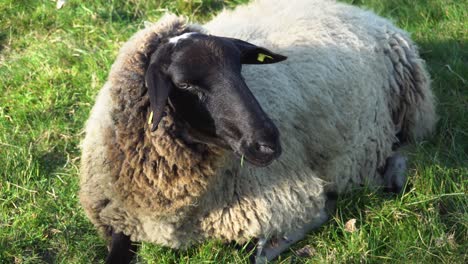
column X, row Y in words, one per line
column 121, row 249
column 269, row 249
column 395, row 173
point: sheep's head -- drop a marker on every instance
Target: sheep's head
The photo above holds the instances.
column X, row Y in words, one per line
column 201, row 76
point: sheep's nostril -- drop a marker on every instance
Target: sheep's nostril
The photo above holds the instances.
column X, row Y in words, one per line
column 264, row 148
column 261, row 153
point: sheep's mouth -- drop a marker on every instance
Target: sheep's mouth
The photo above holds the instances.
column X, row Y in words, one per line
column 258, row 159
column 258, row 153
column 259, row 162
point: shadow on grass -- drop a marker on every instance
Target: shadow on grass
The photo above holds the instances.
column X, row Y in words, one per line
column 199, row 11
column 3, row 38
column 447, row 61
column 52, row 161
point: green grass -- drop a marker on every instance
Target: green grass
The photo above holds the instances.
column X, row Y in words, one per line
column 53, row 62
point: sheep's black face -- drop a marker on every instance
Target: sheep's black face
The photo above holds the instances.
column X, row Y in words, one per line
column 201, row 75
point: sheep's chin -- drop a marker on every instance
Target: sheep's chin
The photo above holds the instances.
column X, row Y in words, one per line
column 255, row 161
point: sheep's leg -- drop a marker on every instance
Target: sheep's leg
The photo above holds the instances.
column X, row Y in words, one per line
column 395, row 173
column 269, row 249
column 121, row 249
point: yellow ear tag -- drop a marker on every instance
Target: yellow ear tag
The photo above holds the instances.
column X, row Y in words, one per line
column 150, row 119
column 261, row 57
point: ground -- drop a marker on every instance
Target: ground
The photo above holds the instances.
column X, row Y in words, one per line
column 53, row 62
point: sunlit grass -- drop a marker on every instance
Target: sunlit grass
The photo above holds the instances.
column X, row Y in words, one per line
column 53, row 62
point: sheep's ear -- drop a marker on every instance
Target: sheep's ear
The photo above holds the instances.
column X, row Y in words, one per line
column 159, row 86
column 252, row 54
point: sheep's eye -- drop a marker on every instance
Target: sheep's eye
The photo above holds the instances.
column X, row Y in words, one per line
column 183, row 85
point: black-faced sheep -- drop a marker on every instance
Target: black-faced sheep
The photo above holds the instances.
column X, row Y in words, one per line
column 164, row 145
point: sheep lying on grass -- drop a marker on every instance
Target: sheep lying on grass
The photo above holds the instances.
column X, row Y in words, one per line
column 164, row 148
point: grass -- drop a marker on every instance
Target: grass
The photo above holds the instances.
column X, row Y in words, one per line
column 53, row 62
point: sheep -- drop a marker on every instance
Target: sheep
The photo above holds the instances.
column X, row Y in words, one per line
column 165, row 143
